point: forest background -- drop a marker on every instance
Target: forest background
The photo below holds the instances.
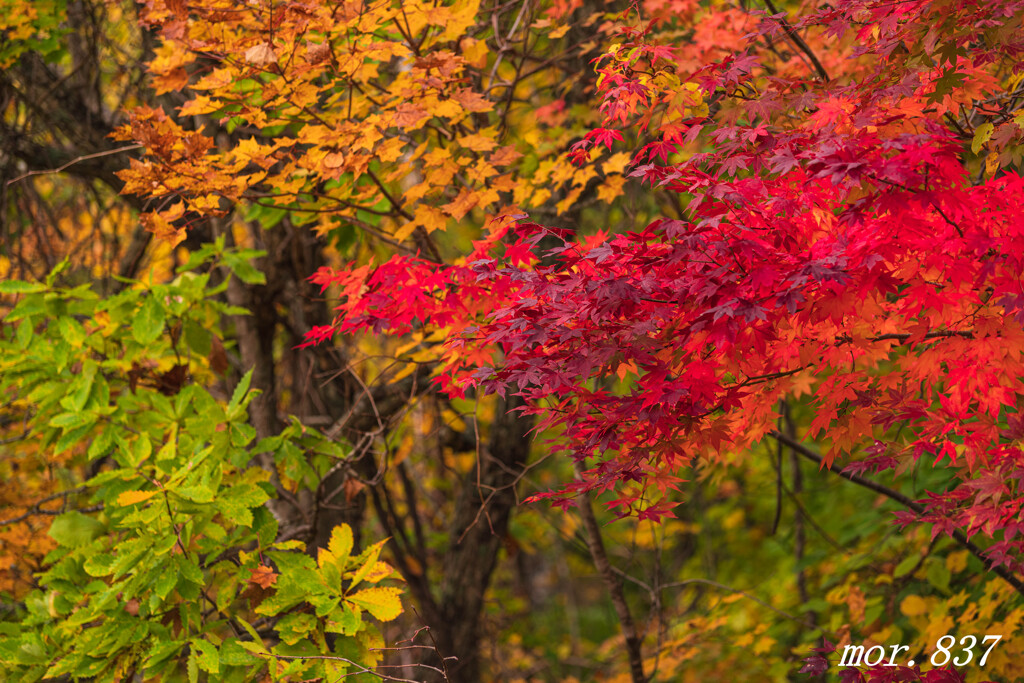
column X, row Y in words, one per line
column 510, row 341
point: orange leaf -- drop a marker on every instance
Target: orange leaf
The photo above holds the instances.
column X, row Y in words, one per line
column 263, row 576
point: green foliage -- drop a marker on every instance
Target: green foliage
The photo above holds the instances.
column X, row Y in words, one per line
column 166, row 565
column 35, row 27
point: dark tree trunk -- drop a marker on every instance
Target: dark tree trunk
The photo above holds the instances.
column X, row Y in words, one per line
column 477, row 534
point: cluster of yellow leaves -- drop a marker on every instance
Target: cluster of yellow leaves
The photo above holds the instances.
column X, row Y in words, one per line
column 374, row 113
column 383, row 602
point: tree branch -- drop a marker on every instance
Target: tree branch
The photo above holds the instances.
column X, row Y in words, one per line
column 957, row 534
column 613, row 582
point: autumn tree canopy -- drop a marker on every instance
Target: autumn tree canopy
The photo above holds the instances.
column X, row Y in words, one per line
column 465, row 341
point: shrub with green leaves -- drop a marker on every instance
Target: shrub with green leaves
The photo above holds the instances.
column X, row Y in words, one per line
column 167, row 564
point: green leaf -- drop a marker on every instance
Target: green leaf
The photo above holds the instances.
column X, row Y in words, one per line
column 101, row 445
column 244, row 270
column 295, row 627
column 19, row 287
column 162, row 651
column 100, row 565
column 233, row 654
column 209, row 661
column 148, row 322
column 190, row 570
column 253, row 634
column 26, row 330
column 66, row 420
column 238, row 395
column 982, row 134
column 199, row 338
column 197, row 494
column 81, row 388
column 140, row 451
column 74, row 435
column 74, row 530
column 193, row 666
column 938, row 574
column 165, row 582
column 906, row 566
column 71, row 331
column 251, row 646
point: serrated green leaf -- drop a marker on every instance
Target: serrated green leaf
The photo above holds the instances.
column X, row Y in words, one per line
column 199, row 339
column 295, row 627
column 161, row 651
column 233, row 654
column 253, row 634
column 238, row 394
column 71, row 331
column 193, row 666
column 209, row 659
column 197, row 494
column 20, row 287
column 148, row 322
column 165, row 582
column 240, row 266
column 74, row 530
column 189, row 570
column 66, row 420
column 25, row 333
column 100, row 564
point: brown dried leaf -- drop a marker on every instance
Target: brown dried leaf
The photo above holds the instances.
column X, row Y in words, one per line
column 317, row 52
column 261, row 54
column 218, row 357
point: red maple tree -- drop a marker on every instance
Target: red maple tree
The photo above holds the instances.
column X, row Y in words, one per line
column 850, row 239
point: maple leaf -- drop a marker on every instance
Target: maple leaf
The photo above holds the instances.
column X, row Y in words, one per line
column 263, row 576
column 604, row 136
column 261, row 54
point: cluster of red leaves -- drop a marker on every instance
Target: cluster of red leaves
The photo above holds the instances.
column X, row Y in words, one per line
column 836, row 246
column 818, row 664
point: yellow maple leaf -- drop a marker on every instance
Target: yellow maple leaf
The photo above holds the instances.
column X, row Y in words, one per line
column 199, row 105
column 430, row 218
column 463, row 15
column 474, row 52
column 478, row 142
column 616, row 163
column 461, row 205
column 611, row 189
column 163, row 230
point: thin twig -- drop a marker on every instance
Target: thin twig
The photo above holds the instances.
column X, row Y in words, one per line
column 795, row 37
column 614, row 585
column 76, row 160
